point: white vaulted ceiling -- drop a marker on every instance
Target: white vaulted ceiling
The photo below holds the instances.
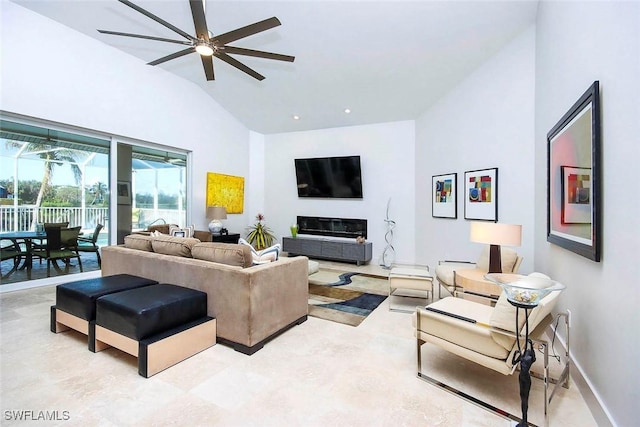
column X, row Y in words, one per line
column 384, row 60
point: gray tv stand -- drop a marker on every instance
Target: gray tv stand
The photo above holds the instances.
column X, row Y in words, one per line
column 329, row 249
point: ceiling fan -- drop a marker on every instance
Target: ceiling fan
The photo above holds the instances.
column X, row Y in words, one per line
column 208, row 45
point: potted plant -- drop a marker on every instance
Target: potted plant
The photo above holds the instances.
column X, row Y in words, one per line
column 260, row 236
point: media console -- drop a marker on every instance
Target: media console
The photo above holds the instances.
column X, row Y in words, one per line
column 336, row 250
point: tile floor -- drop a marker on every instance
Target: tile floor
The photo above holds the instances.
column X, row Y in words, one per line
column 319, row 373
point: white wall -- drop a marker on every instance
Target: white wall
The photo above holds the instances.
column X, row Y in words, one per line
column 577, row 43
column 79, row 81
column 386, row 151
column 485, row 122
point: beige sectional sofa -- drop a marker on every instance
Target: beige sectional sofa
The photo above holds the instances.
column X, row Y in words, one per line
column 251, row 303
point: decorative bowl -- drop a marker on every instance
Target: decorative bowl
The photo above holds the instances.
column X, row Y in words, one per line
column 525, row 291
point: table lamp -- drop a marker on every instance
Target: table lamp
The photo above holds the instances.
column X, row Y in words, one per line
column 495, row 234
column 216, row 213
column 525, row 292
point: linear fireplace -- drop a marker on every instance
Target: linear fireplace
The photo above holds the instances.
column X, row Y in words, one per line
column 334, row 227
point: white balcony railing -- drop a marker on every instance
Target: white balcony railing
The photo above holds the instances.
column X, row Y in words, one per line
column 21, row 218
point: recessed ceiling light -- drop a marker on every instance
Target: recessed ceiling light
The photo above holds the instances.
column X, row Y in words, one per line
column 346, row 110
column 296, row 117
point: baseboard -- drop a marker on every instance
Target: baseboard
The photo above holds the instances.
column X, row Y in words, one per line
column 597, row 408
column 251, row 350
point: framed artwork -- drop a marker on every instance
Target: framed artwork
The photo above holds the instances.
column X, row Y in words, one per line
column 227, row 191
column 576, row 195
column 573, row 177
column 481, row 194
column 444, row 196
column 124, row 192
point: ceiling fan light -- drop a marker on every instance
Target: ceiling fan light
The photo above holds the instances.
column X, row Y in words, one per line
column 204, row 50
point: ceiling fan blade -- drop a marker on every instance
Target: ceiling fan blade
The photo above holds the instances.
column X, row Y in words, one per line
column 207, row 63
column 199, row 20
column 140, row 36
column 157, row 19
column 258, row 53
column 172, row 56
column 239, row 65
column 246, row 31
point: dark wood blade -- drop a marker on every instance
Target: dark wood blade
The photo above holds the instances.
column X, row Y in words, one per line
column 239, row 65
column 140, row 36
column 246, row 31
column 172, row 56
column 207, row 63
column 199, row 20
column 157, row 19
column 258, row 53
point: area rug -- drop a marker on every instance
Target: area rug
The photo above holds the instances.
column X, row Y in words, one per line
column 345, row 297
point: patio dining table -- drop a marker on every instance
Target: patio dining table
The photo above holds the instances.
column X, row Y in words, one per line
column 27, row 237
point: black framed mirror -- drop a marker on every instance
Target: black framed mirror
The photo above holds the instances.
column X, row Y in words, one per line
column 573, row 178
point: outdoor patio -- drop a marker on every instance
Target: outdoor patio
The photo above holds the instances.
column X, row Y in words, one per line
column 39, row 270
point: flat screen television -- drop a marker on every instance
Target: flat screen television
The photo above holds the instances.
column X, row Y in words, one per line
column 329, row 177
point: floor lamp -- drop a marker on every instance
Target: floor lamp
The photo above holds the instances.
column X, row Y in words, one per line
column 495, row 235
column 525, row 292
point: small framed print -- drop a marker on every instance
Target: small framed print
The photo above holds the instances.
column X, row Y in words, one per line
column 178, row 233
column 576, row 195
column 444, row 196
column 124, row 192
column 481, row 194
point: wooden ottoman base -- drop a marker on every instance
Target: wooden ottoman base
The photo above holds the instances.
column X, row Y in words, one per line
column 164, row 350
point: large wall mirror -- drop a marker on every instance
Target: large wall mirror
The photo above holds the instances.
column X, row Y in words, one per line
column 573, row 178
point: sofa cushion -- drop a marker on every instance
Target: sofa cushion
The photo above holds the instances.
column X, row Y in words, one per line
column 223, row 253
column 139, row 242
column 169, row 245
column 465, row 334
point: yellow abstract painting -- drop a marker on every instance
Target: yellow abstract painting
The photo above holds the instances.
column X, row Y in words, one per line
column 227, row 191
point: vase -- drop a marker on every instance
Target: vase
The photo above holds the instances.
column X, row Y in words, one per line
column 294, row 230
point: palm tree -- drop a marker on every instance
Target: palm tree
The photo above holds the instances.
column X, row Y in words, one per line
column 52, row 156
column 98, row 190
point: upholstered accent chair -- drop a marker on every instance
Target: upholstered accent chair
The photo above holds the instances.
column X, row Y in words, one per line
column 445, row 270
column 487, row 335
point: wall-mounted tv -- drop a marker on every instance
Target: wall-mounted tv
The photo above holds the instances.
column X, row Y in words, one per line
column 329, row 177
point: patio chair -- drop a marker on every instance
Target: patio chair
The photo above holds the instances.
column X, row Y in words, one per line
column 62, row 244
column 88, row 244
column 14, row 252
column 42, row 245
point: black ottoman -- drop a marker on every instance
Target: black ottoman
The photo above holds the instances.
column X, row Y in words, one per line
column 76, row 301
column 159, row 324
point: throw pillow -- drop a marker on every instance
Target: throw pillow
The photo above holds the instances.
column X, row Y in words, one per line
column 181, row 232
column 264, row 256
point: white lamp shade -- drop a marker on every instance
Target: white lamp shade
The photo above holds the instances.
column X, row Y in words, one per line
column 217, row 212
column 492, row 233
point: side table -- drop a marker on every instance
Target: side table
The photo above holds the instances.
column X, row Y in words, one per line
column 472, row 282
column 225, row 238
column 412, row 278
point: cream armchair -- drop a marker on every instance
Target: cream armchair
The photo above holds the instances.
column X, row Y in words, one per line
column 487, row 335
column 445, row 270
